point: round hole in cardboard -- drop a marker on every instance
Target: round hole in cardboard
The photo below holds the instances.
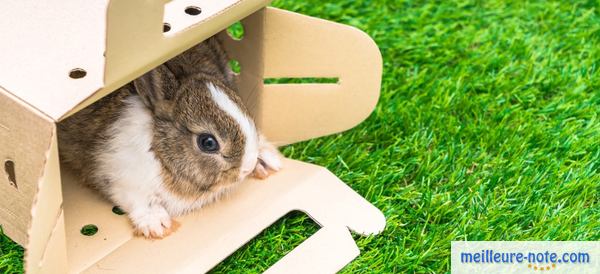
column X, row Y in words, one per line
column 117, row 210
column 192, row 10
column 9, row 169
column 166, row 27
column 77, row 73
column 235, row 66
column 89, row 230
column 236, row 31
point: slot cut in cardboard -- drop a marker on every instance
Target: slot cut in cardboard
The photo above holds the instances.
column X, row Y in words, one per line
column 96, row 46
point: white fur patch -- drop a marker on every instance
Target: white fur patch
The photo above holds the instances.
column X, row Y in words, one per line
column 246, row 124
column 126, row 160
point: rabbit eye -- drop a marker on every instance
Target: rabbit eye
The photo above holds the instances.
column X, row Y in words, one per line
column 207, row 143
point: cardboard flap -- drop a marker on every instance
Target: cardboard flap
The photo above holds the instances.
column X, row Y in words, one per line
column 209, row 235
column 290, row 45
column 301, row 46
column 79, row 51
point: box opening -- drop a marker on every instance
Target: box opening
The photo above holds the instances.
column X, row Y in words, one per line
column 95, row 228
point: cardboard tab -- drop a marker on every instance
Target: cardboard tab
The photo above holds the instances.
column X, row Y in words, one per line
column 281, row 44
column 327, row 251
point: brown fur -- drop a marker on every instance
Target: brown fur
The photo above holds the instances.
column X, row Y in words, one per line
column 80, row 134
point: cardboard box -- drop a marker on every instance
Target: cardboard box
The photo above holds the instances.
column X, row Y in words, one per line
column 59, row 56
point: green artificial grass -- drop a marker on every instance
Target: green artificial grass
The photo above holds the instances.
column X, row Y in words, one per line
column 488, row 128
column 11, row 255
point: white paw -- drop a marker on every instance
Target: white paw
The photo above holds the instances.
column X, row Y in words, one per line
column 153, row 222
column 269, row 159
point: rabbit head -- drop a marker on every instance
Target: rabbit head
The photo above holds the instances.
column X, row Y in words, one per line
column 204, row 137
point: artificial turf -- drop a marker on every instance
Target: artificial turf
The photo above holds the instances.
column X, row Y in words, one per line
column 488, row 128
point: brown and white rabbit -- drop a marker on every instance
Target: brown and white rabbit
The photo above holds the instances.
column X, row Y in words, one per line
column 171, row 141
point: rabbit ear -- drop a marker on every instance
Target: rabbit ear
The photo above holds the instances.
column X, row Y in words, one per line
column 156, row 88
column 208, row 57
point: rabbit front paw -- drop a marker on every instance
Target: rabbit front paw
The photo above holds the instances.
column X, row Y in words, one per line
column 153, row 223
column 269, row 160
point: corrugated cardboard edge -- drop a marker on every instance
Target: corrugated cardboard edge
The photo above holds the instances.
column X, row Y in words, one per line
column 54, row 258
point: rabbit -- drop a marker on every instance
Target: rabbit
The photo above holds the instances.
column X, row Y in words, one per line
column 173, row 140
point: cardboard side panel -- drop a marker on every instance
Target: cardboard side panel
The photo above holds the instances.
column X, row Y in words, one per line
column 46, row 241
column 299, row 46
column 25, row 136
